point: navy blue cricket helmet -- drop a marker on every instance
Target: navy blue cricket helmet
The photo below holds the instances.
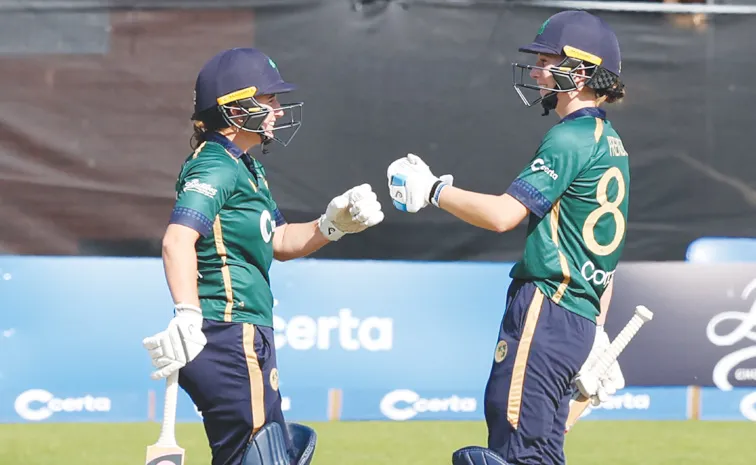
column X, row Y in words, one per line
column 585, row 42
column 232, row 79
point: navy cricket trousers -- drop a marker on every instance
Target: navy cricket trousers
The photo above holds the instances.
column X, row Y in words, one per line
column 234, row 384
column 541, row 348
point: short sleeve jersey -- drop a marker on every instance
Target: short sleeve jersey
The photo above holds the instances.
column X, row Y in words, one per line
column 577, row 190
column 223, row 194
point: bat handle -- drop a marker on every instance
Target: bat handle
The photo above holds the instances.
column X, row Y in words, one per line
column 588, row 381
column 605, row 360
column 168, row 428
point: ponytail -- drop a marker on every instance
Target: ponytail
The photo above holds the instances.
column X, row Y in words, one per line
column 206, row 122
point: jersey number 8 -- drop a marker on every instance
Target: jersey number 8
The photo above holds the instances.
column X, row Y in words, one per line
column 606, row 207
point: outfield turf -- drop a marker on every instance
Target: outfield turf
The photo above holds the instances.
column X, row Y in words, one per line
column 373, row 443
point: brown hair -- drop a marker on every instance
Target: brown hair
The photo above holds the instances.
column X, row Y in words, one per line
column 206, row 122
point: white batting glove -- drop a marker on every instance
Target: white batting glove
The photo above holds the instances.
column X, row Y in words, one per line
column 351, row 212
column 412, row 186
column 179, row 344
column 599, row 387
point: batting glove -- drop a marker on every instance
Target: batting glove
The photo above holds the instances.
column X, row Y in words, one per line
column 599, row 387
column 351, row 212
column 179, row 344
column 412, row 186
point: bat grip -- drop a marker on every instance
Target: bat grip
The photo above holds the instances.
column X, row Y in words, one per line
column 619, row 343
column 168, row 429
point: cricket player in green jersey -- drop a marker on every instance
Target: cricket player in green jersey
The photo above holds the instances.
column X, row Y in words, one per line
column 575, row 193
column 225, row 231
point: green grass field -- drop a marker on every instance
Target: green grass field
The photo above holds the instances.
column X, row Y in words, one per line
column 373, row 443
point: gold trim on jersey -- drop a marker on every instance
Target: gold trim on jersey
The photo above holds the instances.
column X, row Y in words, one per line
column 202, row 145
column 514, row 402
column 220, row 248
column 599, row 129
column 253, row 184
column 198, row 150
column 554, row 221
column 256, row 385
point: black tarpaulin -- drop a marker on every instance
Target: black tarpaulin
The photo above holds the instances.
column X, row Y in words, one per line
column 93, row 130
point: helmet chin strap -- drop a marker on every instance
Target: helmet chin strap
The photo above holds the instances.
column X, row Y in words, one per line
column 265, row 142
column 549, row 102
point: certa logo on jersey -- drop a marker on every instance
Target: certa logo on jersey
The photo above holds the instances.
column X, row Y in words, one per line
column 539, row 165
column 595, row 275
column 405, row 404
column 267, row 226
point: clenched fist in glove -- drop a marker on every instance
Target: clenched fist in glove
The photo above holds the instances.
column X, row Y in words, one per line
column 590, row 381
column 179, row 344
column 412, row 186
column 353, row 211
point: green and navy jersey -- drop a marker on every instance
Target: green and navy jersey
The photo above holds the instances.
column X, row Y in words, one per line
column 222, row 193
column 577, row 190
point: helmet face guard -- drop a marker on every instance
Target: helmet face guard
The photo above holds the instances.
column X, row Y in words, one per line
column 564, row 77
column 251, row 116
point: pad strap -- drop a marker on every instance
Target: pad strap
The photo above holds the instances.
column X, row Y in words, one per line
column 268, row 446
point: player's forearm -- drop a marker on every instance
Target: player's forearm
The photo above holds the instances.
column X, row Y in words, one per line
column 492, row 212
column 295, row 240
column 606, row 299
column 180, row 265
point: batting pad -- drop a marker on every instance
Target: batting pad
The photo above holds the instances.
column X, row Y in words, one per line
column 474, row 455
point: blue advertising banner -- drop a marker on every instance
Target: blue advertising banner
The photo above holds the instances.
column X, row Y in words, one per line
column 412, row 404
column 367, row 324
column 737, row 404
column 652, row 403
column 72, row 405
column 350, row 333
column 338, row 324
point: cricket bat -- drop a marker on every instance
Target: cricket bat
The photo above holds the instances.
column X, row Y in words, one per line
column 166, row 451
column 605, row 360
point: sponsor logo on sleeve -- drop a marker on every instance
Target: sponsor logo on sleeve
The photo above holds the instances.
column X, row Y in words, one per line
column 194, row 185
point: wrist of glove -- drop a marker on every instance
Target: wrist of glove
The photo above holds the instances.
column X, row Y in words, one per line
column 179, row 344
column 351, row 212
column 412, row 185
column 435, row 191
column 594, row 383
